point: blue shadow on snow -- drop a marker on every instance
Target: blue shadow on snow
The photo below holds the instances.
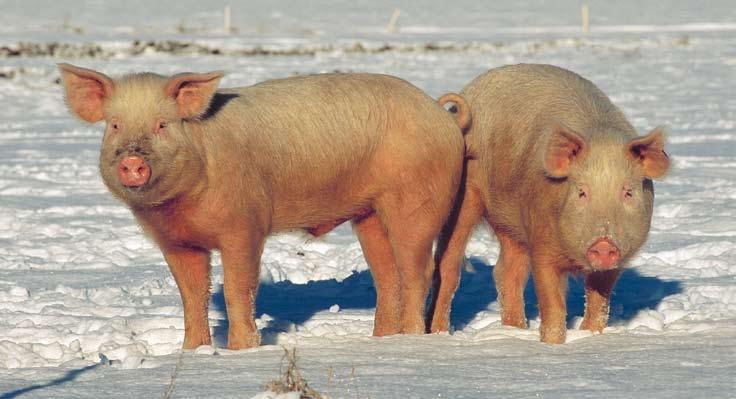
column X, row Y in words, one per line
column 293, row 304
column 288, row 303
column 70, row 375
column 633, row 292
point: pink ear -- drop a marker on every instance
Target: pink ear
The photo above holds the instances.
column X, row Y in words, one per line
column 564, row 146
column 86, row 91
column 648, row 151
column 193, row 92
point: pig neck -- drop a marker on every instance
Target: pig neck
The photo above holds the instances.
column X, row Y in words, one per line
column 541, row 216
column 523, row 201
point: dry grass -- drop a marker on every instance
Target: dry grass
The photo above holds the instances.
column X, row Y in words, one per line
column 291, row 379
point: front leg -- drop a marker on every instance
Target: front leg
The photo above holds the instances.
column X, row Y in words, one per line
column 550, row 283
column 241, row 259
column 598, row 289
column 191, row 270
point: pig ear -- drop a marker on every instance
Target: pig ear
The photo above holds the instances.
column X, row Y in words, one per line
column 648, row 151
column 564, row 146
column 193, row 92
column 85, row 91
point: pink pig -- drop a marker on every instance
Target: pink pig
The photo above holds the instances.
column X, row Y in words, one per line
column 564, row 181
column 204, row 169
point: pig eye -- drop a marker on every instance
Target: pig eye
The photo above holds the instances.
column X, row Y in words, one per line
column 161, row 126
column 115, row 125
column 628, row 193
column 582, row 193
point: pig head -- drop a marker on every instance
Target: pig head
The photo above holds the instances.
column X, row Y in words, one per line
column 604, row 181
column 147, row 157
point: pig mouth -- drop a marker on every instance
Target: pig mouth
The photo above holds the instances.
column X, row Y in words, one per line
column 143, row 189
column 136, row 190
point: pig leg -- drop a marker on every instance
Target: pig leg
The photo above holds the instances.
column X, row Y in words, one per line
column 450, row 255
column 412, row 226
column 241, row 266
column 379, row 255
column 191, row 270
column 415, row 266
column 598, row 288
column 550, row 284
column 510, row 274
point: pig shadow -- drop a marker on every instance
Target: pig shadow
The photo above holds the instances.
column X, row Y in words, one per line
column 290, row 304
column 633, row 293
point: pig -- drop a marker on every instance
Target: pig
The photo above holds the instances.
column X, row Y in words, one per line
column 206, row 169
column 564, row 181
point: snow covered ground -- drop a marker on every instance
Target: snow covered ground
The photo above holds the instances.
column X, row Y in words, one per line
column 88, row 307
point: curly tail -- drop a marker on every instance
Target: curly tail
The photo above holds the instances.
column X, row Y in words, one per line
column 460, row 109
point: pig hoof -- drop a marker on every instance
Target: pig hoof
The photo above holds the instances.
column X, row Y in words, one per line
column 383, row 328
column 439, row 330
column 417, row 330
column 196, row 343
column 248, row 342
column 237, row 347
column 439, row 325
column 552, row 335
column 518, row 323
column 593, row 327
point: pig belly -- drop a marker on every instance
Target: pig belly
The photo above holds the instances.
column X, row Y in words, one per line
column 325, row 227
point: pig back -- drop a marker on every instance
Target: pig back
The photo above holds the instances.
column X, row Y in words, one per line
column 342, row 136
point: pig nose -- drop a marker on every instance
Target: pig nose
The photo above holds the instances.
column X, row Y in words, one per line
column 603, row 254
column 133, row 171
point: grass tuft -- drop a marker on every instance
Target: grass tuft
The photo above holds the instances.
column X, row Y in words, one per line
column 291, row 379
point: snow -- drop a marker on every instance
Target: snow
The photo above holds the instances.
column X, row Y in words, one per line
column 88, row 307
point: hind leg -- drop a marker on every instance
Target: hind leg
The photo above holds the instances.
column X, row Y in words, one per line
column 412, row 226
column 510, row 274
column 379, row 255
column 449, row 257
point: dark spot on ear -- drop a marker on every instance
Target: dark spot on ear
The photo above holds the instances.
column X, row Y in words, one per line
column 219, row 100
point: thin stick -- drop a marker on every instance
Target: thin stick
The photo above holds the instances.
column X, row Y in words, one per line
column 227, row 22
column 391, row 27
column 170, row 389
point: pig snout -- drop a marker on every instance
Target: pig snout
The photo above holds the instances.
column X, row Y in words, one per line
column 133, row 171
column 603, row 254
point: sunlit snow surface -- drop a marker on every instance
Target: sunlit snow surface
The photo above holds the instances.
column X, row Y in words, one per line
column 88, row 307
